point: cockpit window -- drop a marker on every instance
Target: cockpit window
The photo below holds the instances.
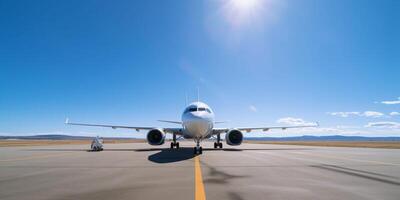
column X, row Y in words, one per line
column 191, row 109
column 194, row 109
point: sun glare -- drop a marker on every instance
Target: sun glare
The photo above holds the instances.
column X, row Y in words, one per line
column 245, row 5
column 239, row 12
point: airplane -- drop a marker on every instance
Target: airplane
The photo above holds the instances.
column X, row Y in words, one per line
column 197, row 123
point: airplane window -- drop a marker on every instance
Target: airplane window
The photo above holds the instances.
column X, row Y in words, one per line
column 191, row 109
column 194, row 109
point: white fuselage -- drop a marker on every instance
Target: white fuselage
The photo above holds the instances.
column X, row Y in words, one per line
column 197, row 121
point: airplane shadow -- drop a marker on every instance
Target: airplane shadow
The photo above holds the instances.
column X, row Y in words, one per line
column 171, row 155
column 167, row 155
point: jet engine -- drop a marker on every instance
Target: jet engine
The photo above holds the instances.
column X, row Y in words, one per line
column 155, row 137
column 234, row 137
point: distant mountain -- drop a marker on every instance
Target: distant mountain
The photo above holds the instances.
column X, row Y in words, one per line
column 54, row 137
column 325, row 138
column 297, row 138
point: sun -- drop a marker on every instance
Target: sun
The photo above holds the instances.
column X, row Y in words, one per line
column 245, row 5
column 240, row 12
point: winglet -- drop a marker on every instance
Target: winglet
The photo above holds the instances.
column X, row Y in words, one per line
column 67, row 121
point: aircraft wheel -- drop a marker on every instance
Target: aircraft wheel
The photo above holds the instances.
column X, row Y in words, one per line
column 172, row 145
column 215, row 145
column 195, row 150
column 220, row 145
column 201, row 150
column 177, row 145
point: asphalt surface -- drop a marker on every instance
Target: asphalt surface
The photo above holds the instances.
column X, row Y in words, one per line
column 250, row 171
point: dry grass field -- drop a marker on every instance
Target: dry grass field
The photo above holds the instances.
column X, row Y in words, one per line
column 366, row 144
column 13, row 143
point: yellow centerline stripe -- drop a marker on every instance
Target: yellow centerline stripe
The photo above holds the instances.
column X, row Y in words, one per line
column 199, row 186
column 36, row 156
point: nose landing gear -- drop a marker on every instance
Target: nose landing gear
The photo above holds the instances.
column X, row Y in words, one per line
column 198, row 149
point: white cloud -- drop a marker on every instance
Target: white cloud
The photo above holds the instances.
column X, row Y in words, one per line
column 372, row 114
column 321, row 130
column 391, row 102
column 253, row 108
column 344, row 114
column 294, row 121
column 370, row 130
column 394, row 113
column 392, row 125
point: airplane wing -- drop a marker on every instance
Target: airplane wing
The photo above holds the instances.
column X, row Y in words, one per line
column 177, row 131
column 249, row 129
column 221, row 122
column 169, row 121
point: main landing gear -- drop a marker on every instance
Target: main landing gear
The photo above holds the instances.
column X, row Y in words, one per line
column 198, row 149
column 218, row 144
column 174, row 143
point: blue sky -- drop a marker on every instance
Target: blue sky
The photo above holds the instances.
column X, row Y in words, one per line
column 256, row 62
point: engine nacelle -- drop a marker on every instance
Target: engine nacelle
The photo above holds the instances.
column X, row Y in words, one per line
column 156, row 137
column 234, row 137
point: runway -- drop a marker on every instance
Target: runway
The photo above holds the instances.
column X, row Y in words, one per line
column 250, row 171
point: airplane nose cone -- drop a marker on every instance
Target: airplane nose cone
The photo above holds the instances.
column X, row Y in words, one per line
column 198, row 128
column 200, row 116
column 195, row 114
